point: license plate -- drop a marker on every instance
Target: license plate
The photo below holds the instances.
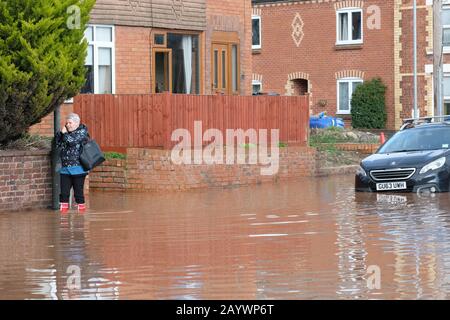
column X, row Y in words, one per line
column 391, row 199
column 385, row 186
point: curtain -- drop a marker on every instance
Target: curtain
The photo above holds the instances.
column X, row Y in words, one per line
column 446, row 37
column 104, row 71
column 343, row 30
column 187, row 53
column 343, row 96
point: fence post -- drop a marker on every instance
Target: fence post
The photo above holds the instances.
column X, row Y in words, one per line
column 166, row 116
column 306, row 117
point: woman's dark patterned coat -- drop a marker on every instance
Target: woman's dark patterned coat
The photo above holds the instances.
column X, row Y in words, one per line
column 71, row 144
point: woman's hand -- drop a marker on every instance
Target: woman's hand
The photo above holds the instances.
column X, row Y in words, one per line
column 64, row 130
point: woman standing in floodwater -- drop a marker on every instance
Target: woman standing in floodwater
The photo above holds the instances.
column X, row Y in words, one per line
column 70, row 141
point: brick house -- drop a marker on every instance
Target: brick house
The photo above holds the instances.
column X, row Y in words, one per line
column 180, row 46
column 324, row 48
column 404, row 96
column 321, row 47
column 304, row 46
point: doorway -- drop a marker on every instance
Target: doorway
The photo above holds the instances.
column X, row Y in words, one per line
column 220, row 69
column 225, row 68
column 162, row 73
column 300, row 87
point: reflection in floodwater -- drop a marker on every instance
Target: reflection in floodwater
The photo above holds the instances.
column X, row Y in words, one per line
column 310, row 239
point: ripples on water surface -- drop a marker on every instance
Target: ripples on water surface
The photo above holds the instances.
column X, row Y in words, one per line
column 309, row 239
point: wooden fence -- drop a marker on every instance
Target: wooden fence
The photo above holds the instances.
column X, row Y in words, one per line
column 120, row 121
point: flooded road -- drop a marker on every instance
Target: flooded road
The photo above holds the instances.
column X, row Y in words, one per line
column 309, row 239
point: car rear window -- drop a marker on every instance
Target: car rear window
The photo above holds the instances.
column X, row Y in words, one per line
column 418, row 140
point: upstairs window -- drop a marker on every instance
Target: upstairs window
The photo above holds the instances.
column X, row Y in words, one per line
column 256, row 32
column 446, row 26
column 349, row 26
column 99, row 60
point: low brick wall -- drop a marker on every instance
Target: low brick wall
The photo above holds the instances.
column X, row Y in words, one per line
column 334, row 171
column 358, row 147
column 25, row 180
column 153, row 170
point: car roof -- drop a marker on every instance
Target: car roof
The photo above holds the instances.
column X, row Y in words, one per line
column 427, row 125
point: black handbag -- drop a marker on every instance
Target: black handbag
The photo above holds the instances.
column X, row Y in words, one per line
column 92, row 155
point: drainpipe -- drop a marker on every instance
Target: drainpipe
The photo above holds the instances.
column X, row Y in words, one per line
column 437, row 58
column 415, row 57
column 56, row 161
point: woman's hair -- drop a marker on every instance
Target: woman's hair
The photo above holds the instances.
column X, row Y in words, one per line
column 74, row 117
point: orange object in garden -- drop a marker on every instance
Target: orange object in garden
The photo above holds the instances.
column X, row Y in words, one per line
column 382, row 138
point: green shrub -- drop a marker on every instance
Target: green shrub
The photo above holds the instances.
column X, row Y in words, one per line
column 115, row 155
column 368, row 105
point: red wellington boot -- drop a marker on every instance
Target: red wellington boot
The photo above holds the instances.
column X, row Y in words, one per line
column 82, row 208
column 64, row 207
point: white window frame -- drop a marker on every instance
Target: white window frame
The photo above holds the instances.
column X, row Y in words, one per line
column 446, row 75
column 350, row 12
column 102, row 44
column 256, row 47
column 347, row 80
column 257, row 83
column 445, row 26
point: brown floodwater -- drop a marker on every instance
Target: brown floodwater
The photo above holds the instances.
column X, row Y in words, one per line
column 308, row 239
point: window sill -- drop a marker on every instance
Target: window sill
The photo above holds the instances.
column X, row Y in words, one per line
column 352, row 46
column 445, row 50
column 256, row 51
column 344, row 116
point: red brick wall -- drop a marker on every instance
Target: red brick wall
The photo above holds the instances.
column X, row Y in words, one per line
column 45, row 127
column 25, row 180
column 152, row 170
column 406, row 54
column 367, row 148
column 317, row 54
column 133, row 60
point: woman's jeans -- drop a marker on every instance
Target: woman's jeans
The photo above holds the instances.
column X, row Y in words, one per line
column 67, row 182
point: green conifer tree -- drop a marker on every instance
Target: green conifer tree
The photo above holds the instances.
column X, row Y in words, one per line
column 42, row 56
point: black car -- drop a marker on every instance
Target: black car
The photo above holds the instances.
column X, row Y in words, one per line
column 415, row 159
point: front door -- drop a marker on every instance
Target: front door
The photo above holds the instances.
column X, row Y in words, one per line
column 220, row 69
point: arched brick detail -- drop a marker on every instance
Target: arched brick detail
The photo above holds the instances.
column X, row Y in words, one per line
column 350, row 74
column 338, row 4
column 257, row 77
column 298, row 75
column 289, row 87
column 349, row 4
column 256, row 11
